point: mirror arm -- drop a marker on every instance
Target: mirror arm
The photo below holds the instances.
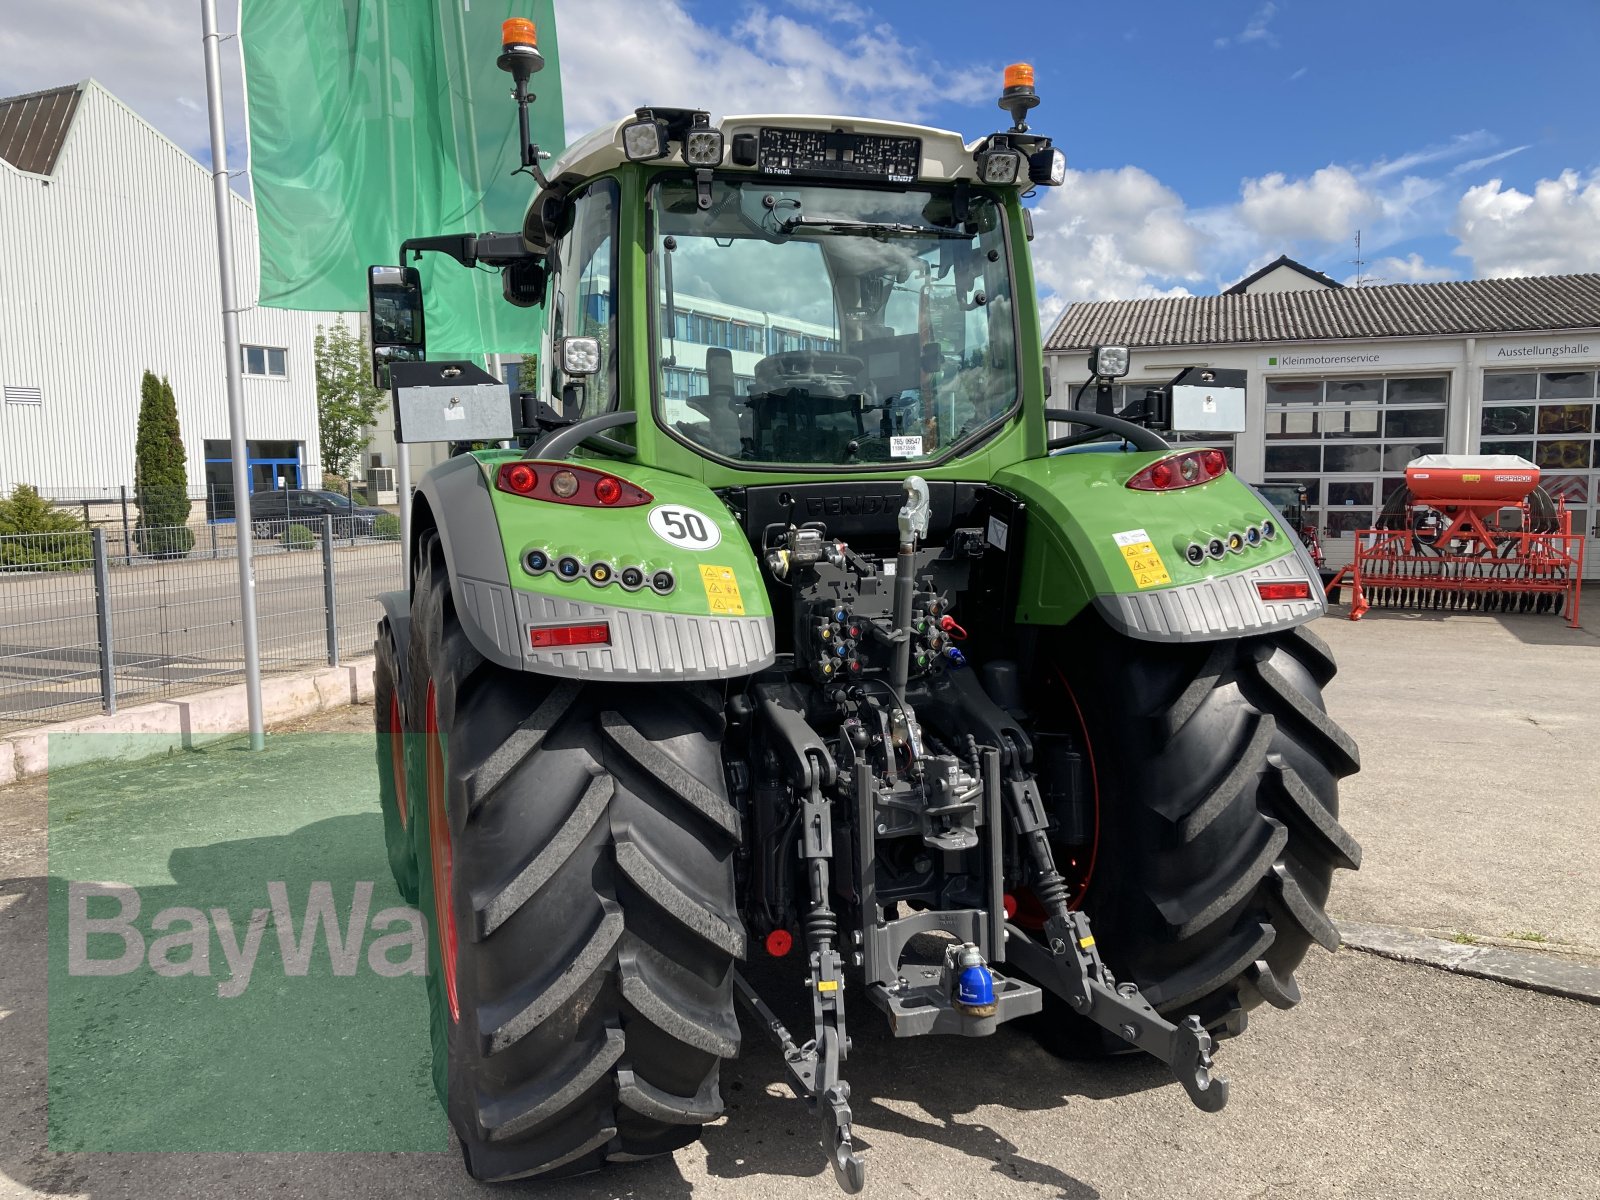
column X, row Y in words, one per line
column 463, row 247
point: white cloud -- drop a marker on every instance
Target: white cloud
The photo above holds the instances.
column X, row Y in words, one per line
column 1555, row 230
column 1477, row 164
column 1328, row 206
column 1257, row 29
column 1410, row 269
column 1112, row 235
column 145, row 52
column 612, row 62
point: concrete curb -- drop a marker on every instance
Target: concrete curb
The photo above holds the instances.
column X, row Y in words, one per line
column 179, row 724
column 1553, row 974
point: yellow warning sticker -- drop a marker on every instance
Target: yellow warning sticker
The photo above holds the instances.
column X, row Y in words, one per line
column 722, row 591
column 827, row 985
column 1139, row 552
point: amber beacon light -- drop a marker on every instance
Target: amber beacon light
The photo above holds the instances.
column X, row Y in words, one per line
column 519, row 31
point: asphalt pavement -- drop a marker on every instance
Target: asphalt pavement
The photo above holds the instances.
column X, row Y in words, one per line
column 1389, row 1080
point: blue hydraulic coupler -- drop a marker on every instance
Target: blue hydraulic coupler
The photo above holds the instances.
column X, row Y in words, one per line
column 974, row 985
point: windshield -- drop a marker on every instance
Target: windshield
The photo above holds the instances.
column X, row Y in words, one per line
column 335, row 499
column 838, row 325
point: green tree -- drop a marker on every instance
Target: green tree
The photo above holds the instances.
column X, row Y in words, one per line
column 37, row 536
column 160, row 475
column 347, row 403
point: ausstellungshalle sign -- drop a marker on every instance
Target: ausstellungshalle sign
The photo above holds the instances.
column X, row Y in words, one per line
column 1583, row 348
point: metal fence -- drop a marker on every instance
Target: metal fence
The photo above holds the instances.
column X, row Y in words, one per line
column 88, row 624
column 120, row 512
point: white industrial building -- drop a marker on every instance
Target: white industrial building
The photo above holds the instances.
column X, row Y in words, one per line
column 108, row 268
column 1346, row 385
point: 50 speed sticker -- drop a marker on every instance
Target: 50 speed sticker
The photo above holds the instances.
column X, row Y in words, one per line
column 1139, row 552
column 686, row 528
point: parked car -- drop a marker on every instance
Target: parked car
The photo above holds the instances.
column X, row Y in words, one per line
column 273, row 512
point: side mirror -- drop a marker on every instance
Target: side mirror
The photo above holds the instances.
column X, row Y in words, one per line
column 394, row 305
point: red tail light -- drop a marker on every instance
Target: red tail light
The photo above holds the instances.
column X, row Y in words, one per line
column 1300, row 590
column 563, row 483
column 548, row 637
column 1181, row 471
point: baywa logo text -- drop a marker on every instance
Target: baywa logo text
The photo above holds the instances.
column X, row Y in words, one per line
column 178, row 940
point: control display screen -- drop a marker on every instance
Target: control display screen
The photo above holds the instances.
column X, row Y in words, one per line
column 841, row 155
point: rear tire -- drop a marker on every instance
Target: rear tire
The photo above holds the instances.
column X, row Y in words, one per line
column 580, row 840
column 393, row 743
column 1217, row 769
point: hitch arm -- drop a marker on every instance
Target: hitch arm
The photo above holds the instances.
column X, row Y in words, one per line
column 1069, row 964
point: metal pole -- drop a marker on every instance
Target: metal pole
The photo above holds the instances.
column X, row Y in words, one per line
column 327, row 590
column 102, row 622
column 127, row 536
column 402, row 456
column 230, row 350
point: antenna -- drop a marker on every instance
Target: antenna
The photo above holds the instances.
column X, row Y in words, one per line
column 1358, row 262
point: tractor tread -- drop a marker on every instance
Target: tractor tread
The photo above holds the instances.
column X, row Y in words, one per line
column 494, row 912
column 525, row 740
column 647, row 1100
column 1246, row 767
column 1339, row 748
column 1176, row 715
column 1309, row 916
column 501, row 1032
column 676, row 1001
column 1280, row 993
column 1304, row 806
column 516, row 1113
column 649, row 757
column 693, row 914
column 1215, row 971
column 1214, row 897
column 1314, row 654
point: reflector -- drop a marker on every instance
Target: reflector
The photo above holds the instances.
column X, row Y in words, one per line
column 548, row 636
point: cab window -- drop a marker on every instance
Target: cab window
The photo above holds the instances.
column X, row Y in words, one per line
column 584, row 294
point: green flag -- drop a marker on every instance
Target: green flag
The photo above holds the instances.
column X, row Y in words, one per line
column 373, row 121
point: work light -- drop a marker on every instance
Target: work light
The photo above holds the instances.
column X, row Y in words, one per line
column 703, row 146
column 1108, row 362
column 999, row 166
column 1047, row 166
column 580, row 355
column 646, row 138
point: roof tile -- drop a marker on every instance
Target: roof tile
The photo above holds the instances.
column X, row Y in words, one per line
column 1474, row 306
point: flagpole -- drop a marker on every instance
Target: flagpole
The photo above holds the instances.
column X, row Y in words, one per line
column 230, row 342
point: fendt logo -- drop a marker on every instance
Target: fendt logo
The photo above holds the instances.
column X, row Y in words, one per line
column 853, row 506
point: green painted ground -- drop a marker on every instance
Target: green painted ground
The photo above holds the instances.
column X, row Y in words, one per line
column 155, row 1042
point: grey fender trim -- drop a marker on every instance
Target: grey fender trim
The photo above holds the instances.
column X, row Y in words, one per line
column 1223, row 606
column 646, row 644
column 469, row 531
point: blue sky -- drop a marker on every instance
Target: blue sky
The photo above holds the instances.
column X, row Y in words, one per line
column 1205, row 138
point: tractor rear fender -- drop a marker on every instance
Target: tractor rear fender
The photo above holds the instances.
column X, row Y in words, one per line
column 707, row 617
column 397, row 611
column 1092, row 540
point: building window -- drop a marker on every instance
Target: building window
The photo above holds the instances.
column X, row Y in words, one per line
column 263, row 360
column 1326, row 433
column 1557, row 433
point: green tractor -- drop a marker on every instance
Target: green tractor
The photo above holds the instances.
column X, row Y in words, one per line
column 792, row 628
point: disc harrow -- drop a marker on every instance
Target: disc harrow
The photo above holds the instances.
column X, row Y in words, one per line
column 1469, row 534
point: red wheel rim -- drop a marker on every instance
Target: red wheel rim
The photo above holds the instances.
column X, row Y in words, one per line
column 444, row 917
column 397, row 758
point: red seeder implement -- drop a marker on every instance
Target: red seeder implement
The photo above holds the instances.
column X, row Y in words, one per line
column 1470, row 533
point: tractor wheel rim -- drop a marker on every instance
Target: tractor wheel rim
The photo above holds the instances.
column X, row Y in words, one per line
column 397, row 758
column 444, row 917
